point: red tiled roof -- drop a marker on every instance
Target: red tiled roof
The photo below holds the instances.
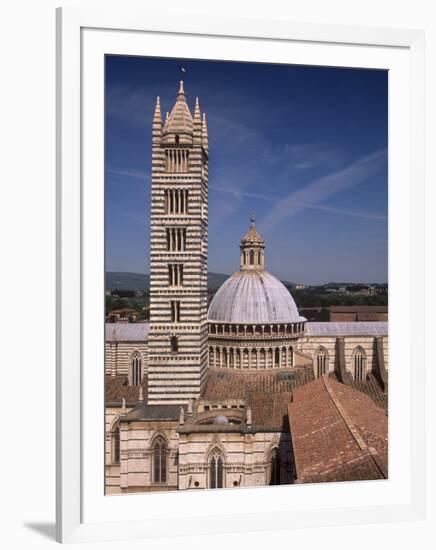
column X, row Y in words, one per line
column 117, row 388
column 233, row 384
column 266, row 393
column 370, row 386
column 270, row 410
column 338, row 434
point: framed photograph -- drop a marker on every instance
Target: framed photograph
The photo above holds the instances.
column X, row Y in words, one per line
column 240, row 235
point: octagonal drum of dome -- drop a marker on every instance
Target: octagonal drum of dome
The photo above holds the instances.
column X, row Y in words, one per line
column 255, row 297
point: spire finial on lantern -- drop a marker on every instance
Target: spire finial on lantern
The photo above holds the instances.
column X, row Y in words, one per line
column 253, row 219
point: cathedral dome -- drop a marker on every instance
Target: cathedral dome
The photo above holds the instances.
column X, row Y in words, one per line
column 253, row 297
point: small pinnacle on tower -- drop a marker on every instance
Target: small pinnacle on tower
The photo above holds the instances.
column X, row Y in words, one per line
column 197, row 116
column 181, row 89
column 204, row 136
column 157, row 117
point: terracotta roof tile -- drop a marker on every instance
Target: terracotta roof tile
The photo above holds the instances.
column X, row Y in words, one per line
column 117, row 388
column 338, row 433
column 232, row 384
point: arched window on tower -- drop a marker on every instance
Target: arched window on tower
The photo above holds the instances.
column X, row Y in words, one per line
column 159, row 457
column 135, row 369
column 251, row 257
column 174, row 344
column 321, row 362
column 216, row 470
column 359, row 364
column 275, row 468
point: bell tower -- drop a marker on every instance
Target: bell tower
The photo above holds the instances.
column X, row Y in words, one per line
column 178, row 254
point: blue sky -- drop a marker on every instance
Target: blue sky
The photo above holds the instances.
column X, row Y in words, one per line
column 305, row 148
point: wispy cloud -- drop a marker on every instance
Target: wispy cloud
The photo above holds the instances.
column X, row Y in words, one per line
column 313, row 194
column 345, row 211
column 239, row 193
column 135, row 174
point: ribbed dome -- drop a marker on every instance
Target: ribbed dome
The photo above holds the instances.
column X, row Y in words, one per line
column 253, row 297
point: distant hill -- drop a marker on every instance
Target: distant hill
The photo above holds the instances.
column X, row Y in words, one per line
column 125, row 280
column 215, row 280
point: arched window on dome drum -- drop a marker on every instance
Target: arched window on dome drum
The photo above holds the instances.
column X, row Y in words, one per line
column 277, row 357
column 291, row 356
column 251, row 257
column 216, row 471
column 275, row 468
column 263, row 358
column 321, row 362
column 359, row 364
column 159, row 454
column 135, row 369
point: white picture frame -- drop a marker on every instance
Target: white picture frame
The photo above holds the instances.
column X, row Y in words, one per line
column 81, row 516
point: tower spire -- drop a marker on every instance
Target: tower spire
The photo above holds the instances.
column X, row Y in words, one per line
column 179, row 125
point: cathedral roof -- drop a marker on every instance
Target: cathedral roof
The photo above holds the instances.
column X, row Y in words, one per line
column 253, row 297
column 233, row 384
column 347, row 328
column 180, row 119
column 117, row 388
column 338, row 434
column 267, row 394
column 127, row 332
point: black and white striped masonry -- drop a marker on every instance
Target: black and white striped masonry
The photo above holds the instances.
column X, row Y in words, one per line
column 177, row 340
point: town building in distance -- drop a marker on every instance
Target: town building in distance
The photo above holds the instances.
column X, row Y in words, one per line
column 245, row 392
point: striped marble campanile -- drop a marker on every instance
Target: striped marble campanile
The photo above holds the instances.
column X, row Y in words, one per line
column 178, row 254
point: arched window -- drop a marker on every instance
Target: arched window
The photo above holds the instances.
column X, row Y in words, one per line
column 174, row 344
column 359, row 364
column 251, row 257
column 277, row 357
column 321, row 362
column 135, row 369
column 159, row 460
column 216, row 471
column 116, row 446
column 263, row 358
column 275, row 468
